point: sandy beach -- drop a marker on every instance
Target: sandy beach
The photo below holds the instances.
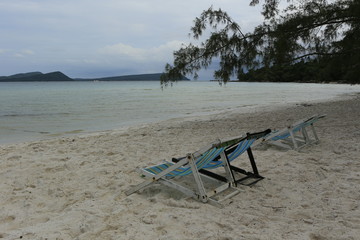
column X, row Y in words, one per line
column 73, row 188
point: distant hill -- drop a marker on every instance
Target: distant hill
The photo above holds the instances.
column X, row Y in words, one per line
column 59, row 76
column 21, row 75
column 36, row 77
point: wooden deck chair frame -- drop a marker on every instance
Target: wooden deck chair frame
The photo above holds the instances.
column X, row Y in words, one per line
column 190, row 160
column 295, row 136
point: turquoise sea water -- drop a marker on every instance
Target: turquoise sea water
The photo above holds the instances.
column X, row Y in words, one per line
column 38, row 110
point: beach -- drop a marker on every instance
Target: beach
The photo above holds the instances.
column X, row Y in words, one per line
column 73, row 187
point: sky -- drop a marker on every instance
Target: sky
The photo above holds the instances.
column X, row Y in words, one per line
column 92, row 38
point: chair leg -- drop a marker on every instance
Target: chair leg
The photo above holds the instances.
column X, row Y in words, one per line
column 138, row 187
column 229, row 173
column 293, row 139
column 252, row 161
column 202, row 193
column 254, row 174
column 314, row 132
column 155, row 177
column 305, row 135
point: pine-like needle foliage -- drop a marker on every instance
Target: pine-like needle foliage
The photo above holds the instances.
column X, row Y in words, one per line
column 313, row 40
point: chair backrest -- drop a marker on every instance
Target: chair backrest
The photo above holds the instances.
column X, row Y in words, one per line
column 209, row 156
column 202, row 157
column 285, row 133
column 313, row 119
column 237, row 149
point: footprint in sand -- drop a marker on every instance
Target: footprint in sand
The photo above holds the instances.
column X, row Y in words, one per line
column 56, row 169
column 7, row 219
column 14, row 158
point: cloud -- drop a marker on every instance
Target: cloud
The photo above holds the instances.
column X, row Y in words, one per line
column 159, row 53
column 85, row 37
column 28, row 52
column 23, row 53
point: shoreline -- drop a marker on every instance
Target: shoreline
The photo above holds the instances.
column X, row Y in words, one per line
column 205, row 115
column 87, row 108
column 73, row 187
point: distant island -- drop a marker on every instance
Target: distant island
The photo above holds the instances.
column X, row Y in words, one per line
column 59, row 76
column 36, row 77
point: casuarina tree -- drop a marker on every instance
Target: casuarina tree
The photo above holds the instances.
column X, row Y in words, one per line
column 306, row 40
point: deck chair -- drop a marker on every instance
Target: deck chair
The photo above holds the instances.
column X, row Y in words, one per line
column 211, row 156
column 295, row 136
column 246, row 177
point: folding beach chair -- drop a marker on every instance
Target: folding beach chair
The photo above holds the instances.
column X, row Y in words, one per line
column 295, row 136
column 233, row 153
column 210, row 157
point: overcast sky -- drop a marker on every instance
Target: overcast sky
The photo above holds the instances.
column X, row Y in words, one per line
column 93, row 38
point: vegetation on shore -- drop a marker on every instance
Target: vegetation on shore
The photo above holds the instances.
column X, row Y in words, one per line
column 307, row 41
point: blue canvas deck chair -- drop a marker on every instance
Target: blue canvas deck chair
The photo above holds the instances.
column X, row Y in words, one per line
column 210, row 157
column 295, row 136
column 243, row 177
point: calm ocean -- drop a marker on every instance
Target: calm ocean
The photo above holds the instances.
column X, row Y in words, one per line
column 39, row 110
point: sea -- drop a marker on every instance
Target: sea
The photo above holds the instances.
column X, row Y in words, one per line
column 39, row 110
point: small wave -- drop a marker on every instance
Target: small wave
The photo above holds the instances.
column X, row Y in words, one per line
column 72, row 132
column 41, row 132
column 31, row 114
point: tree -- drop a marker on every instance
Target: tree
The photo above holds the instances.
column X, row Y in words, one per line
column 317, row 33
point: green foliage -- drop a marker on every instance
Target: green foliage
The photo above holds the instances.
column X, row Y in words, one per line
column 314, row 40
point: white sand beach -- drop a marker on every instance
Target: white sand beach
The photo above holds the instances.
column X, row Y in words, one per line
column 73, row 188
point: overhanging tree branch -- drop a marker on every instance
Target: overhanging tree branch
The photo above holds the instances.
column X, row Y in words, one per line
column 315, row 29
